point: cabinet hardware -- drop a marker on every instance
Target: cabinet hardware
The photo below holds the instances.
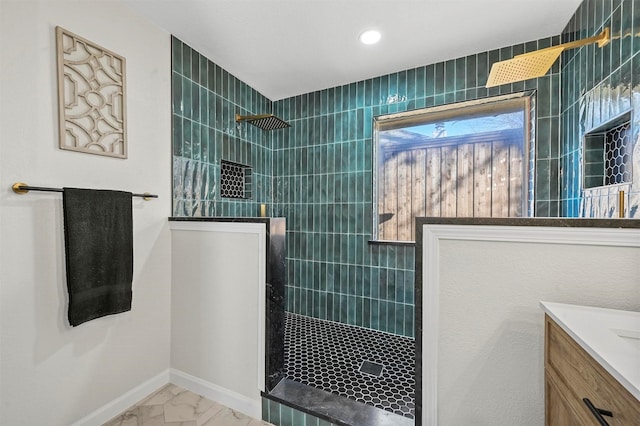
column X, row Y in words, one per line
column 597, row 412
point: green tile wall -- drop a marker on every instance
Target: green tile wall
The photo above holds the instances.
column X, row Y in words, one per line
column 282, row 415
column 318, row 174
column 206, row 99
column 323, row 181
column 599, row 84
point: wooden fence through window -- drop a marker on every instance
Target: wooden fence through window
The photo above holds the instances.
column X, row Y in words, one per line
column 480, row 175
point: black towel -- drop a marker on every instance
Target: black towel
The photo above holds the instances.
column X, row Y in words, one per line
column 98, row 235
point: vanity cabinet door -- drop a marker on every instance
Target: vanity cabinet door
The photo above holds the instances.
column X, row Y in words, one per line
column 573, row 377
column 561, row 408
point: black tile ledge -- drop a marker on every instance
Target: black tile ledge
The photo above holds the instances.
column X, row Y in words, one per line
column 531, row 221
column 335, row 409
column 222, row 219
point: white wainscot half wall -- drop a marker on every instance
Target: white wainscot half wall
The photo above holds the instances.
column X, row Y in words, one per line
column 218, row 311
column 483, row 329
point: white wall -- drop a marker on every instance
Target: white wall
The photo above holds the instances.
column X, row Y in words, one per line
column 489, row 338
column 50, row 373
column 217, row 315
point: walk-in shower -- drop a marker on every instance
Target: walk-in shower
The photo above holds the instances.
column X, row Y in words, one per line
column 347, row 375
column 364, row 365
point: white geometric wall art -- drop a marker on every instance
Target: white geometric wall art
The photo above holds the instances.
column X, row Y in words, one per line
column 91, row 97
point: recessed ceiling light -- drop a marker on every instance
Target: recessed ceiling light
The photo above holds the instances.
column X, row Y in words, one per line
column 370, row 37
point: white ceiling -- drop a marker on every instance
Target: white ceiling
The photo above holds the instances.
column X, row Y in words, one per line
column 284, row 48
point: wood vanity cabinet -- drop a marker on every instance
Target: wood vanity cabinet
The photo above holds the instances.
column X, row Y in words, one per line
column 571, row 376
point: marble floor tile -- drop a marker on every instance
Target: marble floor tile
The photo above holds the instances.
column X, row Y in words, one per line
column 172, row 405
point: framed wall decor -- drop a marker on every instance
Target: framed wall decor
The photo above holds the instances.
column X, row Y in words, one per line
column 91, row 97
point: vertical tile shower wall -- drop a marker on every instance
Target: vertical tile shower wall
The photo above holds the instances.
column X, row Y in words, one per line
column 205, row 101
column 321, row 171
column 323, row 184
column 599, row 84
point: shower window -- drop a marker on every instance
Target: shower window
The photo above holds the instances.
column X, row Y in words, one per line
column 462, row 160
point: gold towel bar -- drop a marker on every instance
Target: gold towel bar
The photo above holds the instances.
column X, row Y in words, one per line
column 23, row 188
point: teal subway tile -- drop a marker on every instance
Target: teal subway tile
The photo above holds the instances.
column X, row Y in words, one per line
column 409, row 321
column 211, row 76
column 195, row 66
column 460, row 74
column 195, row 101
column 555, row 137
column 506, row 53
column 204, row 144
column 383, row 308
column 398, row 296
column 341, row 99
column 274, row 412
column 177, row 135
column 351, row 310
column 323, row 99
column 482, row 68
column 543, row 138
column 615, row 45
column 542, row 179
column 359, row 123
column 203, row 75
column 344, row 309
column 211, row 109
column 366, row 312
column 176, row 55
column 626, row 28
column 433, row 75
column 471, row 71
column 383, row 284
column 310, row 420
column 331, row 100
column 265, row 409
column 186, row 60
column 391, row 285
column 384, row 89
column 409, row 288
column 392, row 90
column 375, row 283
column 554, row 183
column 186, row 138
column 449, row 76
column 401, row 88
column 204, row 106
column 517, row 49
column 518, row 86
column 298, row 418
column 375, row 314
column 542, row 208
column 186, row 98
column 176, row 91
column 399, row 321
column 376, row 91
column 410, row 82
column 420, row 83
column 358, row 311
column 353, row 95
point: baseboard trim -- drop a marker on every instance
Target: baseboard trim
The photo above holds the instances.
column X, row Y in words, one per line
column 120, row 404
column 231, row 399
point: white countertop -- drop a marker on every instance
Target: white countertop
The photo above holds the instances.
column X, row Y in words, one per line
column 610, row 336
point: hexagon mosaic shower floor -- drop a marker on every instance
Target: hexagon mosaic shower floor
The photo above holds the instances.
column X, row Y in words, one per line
column 345, row 360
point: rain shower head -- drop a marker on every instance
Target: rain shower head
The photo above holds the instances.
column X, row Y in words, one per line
column 263, row 121
column 536, row 64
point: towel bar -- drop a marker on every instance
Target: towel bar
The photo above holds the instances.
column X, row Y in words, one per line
column 23, row 188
